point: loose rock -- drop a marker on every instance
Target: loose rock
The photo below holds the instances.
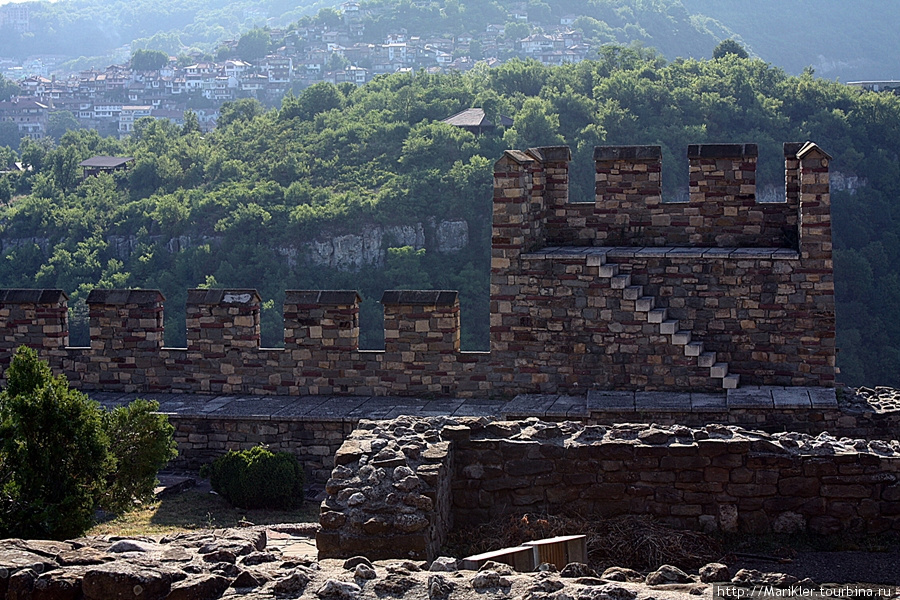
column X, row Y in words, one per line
column 338, row 589
column 295, row 583
column 667, row 574
column 714, row 573
column 364, row 571
column 490, row 579
column 444, row 563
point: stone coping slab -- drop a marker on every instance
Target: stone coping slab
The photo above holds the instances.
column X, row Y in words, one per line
column 553, row 406
column 627, row 252
column 662, row 402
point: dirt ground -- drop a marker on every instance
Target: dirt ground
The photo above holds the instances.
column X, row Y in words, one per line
column 834, row 567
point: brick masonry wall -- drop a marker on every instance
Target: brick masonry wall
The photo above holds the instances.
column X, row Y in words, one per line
column 563, row 320
column 714, row 479
column 315, row 442
column 629, row 210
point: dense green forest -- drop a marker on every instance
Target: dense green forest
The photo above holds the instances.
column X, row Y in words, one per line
column 334, row 158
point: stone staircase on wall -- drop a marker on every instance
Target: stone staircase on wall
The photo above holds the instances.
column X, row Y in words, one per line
column 645, row 308
column 646, row 305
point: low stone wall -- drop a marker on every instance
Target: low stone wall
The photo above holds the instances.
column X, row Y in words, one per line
column 389, row 495
column 715, row 478
column 395, row 490
column 852, row 422
column 201, row 439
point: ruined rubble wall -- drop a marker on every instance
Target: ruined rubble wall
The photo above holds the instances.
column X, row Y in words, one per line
column 715, row 478
column 389, row 494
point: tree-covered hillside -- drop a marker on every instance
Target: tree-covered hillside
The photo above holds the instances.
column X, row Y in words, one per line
column 97, row 27
column 238, row 207
column 846, row 40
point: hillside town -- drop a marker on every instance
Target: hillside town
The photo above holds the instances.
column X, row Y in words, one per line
column 111, row 100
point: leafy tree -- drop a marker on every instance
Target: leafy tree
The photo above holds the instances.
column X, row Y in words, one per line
column 149, row 60
column 254, row 44
column 141, row 443
column 336, row 62
column 405, row 270
column 34, row 152
column 8, row 89
column 315, row 99
column 329, row 17
column 244, row 109
column 727, row 47
column 59, row 122
column 9, row 134
column 6, row 190
column 516, row 30
column 191, row 123
column 64, row 167
column 55, row 453
column 168, row 42
column 536, row 124
column 62, row 455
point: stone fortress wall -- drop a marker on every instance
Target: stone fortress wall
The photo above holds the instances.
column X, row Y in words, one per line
column 715, row 478
column 625, row 292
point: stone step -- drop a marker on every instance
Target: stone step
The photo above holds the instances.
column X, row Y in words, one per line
column 718, row 370
column 645, row 304
column 668, row 327
column 731, row 381
column 620, row 282
column 693, row 349
column 596, row 260
column 681, row 338
column 707, row 359
column 633, row 292
column 607, row 271
column 657, row 315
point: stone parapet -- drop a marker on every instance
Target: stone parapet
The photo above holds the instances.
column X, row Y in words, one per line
column 220, row 320
column 34, row 318
column 715, row 478
column 321, row 319
column 629, row 208
column 123, row 320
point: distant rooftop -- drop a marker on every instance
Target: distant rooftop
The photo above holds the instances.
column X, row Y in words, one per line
column 106, row 162
column 475, row 118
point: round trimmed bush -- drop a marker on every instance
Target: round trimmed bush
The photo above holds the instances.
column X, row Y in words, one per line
column 257, row 478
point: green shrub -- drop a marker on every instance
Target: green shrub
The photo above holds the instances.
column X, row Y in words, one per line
column 141, row 444
column 257, row 478
column 54, row 455
column 62, row 455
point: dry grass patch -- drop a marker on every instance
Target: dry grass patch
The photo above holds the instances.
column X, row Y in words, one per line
column 197, row 509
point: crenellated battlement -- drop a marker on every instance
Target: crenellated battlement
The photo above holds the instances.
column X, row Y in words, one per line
column 625, row 292
column 629, row 208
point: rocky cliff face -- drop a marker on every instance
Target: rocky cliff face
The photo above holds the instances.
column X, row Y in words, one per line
column 368, row 247
column 344, row 251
